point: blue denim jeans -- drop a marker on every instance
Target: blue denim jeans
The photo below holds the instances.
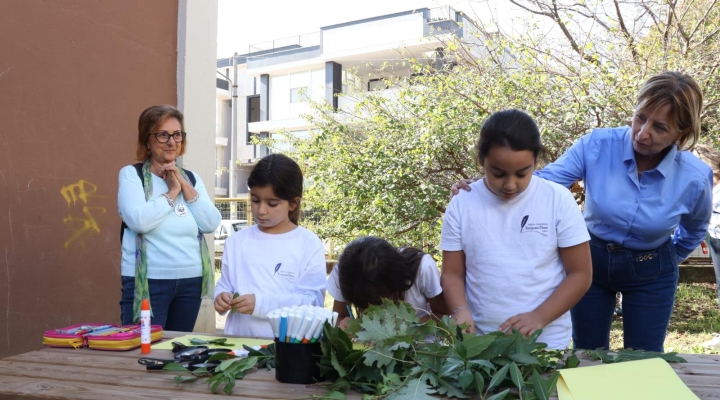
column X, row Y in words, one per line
column 175, row 303
column 647, row 280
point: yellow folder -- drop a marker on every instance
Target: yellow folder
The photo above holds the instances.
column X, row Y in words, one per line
column 632, row 380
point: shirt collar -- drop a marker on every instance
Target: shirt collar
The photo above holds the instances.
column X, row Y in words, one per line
column 665, row 166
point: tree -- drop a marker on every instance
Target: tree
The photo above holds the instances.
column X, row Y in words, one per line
column 384, row 168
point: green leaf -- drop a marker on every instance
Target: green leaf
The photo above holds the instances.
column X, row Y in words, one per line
column 377, row 355
column 516, row 376
column 499, row 396
column 544, row 388
column 572, row 362
column 498, row 377
column 174, row 367
column 465, row 379
column 523, row 358
column 334, row 395
column 477, row 344
column 232, row 310
column 338, row 367
column 479, row 382
column 415, row 389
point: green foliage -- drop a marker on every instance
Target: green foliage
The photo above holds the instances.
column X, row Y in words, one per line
column 397, row 362
column 216, row 342
column 383, row 164
column 403, row 358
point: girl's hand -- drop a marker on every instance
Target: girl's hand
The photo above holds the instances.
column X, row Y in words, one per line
column 525, row 323
column 222, row 302
column 463, row 184
column 344, row 323
column 465, row 317
column 244, row 304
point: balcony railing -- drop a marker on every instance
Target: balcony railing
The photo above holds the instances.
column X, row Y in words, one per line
column 444, row 13
column 306, row 40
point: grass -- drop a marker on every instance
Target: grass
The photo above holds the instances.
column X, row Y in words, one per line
column 695, row 317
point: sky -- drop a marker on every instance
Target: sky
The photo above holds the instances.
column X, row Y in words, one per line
column 245, row 22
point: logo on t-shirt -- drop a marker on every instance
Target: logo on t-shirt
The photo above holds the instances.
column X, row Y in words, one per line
column 537, row 227
column 289, row 275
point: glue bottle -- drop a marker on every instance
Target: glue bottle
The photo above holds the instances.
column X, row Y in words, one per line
column 145, row 327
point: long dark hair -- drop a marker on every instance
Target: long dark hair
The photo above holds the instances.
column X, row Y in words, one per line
column 371, row 269
column 285, row 177
column 512, row 128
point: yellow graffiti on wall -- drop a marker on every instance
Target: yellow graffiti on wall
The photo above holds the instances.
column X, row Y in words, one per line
column 86, row 225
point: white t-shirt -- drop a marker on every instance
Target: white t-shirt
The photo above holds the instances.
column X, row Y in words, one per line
column 511, row 251
column 286, row 269
column 426, row 286
column 714, row 228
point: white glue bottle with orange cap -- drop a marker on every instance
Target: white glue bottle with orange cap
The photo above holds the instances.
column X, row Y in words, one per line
column 145, row 327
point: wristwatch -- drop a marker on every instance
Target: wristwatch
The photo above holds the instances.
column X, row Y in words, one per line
column 170, row 201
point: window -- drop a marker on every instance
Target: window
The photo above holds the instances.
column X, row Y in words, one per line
column 299, row 94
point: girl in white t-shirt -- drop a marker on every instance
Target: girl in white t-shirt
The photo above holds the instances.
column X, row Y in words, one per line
column 274, row 263
column 515, row 248
column 371, row 269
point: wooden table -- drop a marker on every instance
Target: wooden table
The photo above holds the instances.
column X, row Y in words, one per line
column 94, row 374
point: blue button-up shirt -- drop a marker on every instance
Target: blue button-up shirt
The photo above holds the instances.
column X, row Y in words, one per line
column 637, row 212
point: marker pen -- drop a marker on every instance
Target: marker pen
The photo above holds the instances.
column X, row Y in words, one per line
column 318, row 331
column 306, row 322
column 292, row 321
column 316, row 321
column 283, row 326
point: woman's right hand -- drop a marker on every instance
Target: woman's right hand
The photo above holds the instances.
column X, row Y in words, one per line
column 222, row 302
column 172, row 180
column 463, row 184
column 465, row 317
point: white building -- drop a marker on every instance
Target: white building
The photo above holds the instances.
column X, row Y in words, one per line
column 275, row 78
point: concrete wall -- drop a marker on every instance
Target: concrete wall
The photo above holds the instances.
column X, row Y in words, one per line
column 197, row 55
column 74, row 77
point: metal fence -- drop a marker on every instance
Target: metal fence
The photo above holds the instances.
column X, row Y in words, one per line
column 305, row 40
column 234, row 208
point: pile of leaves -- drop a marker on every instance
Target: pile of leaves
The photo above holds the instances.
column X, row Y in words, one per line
column 407, row 359
column 393, row 355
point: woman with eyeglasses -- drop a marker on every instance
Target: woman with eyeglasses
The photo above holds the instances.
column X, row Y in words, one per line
column 165, row 211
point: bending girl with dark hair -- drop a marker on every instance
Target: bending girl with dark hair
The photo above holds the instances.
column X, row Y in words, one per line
column 274, row 263
column 370, row 269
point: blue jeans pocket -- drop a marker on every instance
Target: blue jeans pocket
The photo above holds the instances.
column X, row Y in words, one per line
column 646, row 265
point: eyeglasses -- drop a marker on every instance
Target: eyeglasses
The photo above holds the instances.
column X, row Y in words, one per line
column 163, row 136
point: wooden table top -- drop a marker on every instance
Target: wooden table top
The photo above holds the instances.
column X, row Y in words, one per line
column 53, row 373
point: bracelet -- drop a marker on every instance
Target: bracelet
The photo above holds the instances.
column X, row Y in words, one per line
column 169, row 200
column 458, row 309
column 194, row 199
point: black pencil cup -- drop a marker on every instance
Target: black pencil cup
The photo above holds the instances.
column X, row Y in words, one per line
column 297, row 362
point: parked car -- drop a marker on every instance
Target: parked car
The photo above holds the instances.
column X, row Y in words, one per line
column 227, row 227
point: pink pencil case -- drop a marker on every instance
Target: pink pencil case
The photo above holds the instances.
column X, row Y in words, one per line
column 99, row 336
column 71, row 336
column 127, row 339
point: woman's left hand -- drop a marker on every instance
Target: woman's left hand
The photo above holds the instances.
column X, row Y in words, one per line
column 186, row 187
column 525, row 323
column 244, row 304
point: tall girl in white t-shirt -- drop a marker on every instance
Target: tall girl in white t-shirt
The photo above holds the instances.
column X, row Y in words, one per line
column 274, row 263
column 371, row 269
column 515, row 248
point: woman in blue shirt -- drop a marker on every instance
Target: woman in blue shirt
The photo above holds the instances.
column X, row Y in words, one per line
column 647, row 206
